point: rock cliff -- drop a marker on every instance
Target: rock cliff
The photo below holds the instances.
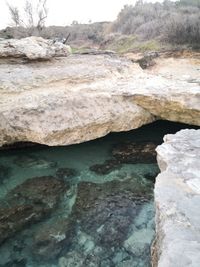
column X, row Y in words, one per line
column 177, row 198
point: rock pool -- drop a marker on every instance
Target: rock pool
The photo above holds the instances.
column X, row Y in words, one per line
column 86, row 205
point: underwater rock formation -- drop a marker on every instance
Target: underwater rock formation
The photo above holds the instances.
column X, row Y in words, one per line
column 65, row 173
column 106, row 167
column 32, row 161
column 135, row 152
column 106, row 211
column 5, row 172
column 29, row 202
column 52, row 239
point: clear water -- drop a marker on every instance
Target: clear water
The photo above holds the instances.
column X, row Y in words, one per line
column 80, row 218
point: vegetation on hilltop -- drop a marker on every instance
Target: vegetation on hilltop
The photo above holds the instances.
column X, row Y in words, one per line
column 145, row 26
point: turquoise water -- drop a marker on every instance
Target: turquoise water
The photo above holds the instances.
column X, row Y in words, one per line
column 82, row 205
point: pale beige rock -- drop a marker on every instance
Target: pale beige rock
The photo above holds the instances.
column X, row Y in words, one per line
column 67, row 101
column 172, row 90
column 79, row 98
column 177, row 198
column 33, row 48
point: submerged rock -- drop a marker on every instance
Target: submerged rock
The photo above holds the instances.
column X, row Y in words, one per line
column 106, row 211
column 65, row 173
column 29, row 202
column 106, row 167
column 135, row 152
column 31, row 161
column 15, row 263
column 52, row 239
column 73, row 259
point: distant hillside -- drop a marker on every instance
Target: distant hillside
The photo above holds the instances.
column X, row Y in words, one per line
column 145, row 26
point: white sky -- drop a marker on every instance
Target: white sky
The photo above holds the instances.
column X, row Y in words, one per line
column 63, row 12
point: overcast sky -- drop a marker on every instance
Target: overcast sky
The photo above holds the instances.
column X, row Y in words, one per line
column 63, row 12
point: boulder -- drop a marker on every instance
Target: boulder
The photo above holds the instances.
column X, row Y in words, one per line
column 33, row 48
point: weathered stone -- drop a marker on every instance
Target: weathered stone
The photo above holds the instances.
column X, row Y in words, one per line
column 67, row 101
column 147, row 60
column 56, row 92
column 28, row 203
column 106, row 167
column 135, row 152
column 177, row 197
column 32, row 48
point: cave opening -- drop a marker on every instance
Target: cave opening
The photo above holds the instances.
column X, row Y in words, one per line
column 89, row 204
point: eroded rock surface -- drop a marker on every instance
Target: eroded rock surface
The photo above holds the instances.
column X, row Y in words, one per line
column 67, row 100
column 177, row 197
column 83, row 97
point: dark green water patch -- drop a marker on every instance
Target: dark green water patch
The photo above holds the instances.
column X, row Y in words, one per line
column 86, row 205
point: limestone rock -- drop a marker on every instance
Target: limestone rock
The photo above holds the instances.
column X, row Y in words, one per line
column 172, row 91
column 66, row 100
column 177, row 197
column 32, row 48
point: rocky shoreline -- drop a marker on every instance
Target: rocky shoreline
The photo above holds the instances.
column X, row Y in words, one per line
column 57, row 101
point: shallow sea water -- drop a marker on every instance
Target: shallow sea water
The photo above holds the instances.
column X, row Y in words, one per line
column 72, row 216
